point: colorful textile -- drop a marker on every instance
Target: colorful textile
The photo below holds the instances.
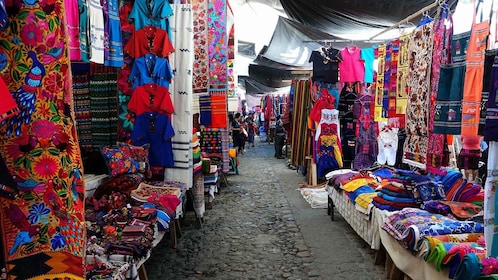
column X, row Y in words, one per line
column 149, row 39
column 151, row 13
column 84, row 31
column 455, row 254
column 351, row 66
column 103, row 91
column 200, row 79
column 217, row 43
column 301, row 139
column 8, row 107
column 43, row 228
column 448, row 117
column 151, row 69
column 409, row 225
column 471, row 103
column 114, row 42
column 470, row 268
column 181, row 93
column 365, row 199
column 205, row 110
column 151, row 98
column 403, row 72
column 219, row 108
column 440, row 56
column 155, row 129
column 417, row 115
column 379, row 89
column 73, row 28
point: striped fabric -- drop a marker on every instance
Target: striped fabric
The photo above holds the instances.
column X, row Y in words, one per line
column 300, row 136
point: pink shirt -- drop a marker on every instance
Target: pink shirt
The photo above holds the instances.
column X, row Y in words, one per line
column 471, row 142
column 351, row 67
column 73, row 28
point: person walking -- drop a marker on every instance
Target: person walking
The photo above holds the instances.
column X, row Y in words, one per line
column 279, row 138
column 252, row 129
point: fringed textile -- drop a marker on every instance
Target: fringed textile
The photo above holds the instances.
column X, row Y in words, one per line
column 181, row 26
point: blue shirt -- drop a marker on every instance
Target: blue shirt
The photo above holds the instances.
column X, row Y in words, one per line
column 150, row 69
column 151, row 12
column 155, row 129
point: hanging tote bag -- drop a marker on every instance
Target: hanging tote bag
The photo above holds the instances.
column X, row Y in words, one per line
column 447, row 113
column 474, row 75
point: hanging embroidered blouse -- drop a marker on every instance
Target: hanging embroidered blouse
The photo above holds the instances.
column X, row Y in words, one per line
column 151, row 98
column 325, row 65
column 97, row 34
column 151, row 12
column 150, row 69
column 155, row 129
column 84, row 31
column 114, row 47
column 72, row 17
column 149, row 39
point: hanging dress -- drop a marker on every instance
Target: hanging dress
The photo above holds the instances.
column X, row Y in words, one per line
column 97, row 34
column 328, row 142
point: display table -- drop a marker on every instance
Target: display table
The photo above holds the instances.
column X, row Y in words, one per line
column 369, row 228
column 362, row 224
column 412, row 265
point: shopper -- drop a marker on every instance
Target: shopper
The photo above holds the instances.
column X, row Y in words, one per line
column 235, row 128
column 252, row 129
column 279, row 138
column 469, row 156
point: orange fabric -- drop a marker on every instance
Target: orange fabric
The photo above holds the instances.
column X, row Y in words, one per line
column 474, row 74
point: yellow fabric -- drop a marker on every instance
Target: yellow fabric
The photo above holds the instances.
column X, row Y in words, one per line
column 355, row 184
column 365, row 199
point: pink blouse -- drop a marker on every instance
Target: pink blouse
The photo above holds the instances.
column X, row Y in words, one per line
column 351, row 67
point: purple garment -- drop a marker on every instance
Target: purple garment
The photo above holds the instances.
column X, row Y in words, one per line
column 155, row 129
column 491, row 126
column 336, row 180
column 366, row 148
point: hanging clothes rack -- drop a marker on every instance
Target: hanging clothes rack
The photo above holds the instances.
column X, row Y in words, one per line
column 410, row 17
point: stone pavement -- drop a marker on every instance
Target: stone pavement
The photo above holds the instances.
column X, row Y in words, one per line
column 260, row 227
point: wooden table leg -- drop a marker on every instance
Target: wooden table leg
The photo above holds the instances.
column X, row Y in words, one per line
column 142, row 273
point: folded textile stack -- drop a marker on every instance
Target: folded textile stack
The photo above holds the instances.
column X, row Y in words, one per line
column 410, row 225
column 337, row 176
column 464, row 191
column 393, row 196
column 196, row 155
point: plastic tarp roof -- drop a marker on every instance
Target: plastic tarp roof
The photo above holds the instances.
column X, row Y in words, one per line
column 292, row 43
column 354, row 19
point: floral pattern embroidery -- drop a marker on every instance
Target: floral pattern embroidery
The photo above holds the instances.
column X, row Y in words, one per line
column 39, row 144
column 217, row 48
